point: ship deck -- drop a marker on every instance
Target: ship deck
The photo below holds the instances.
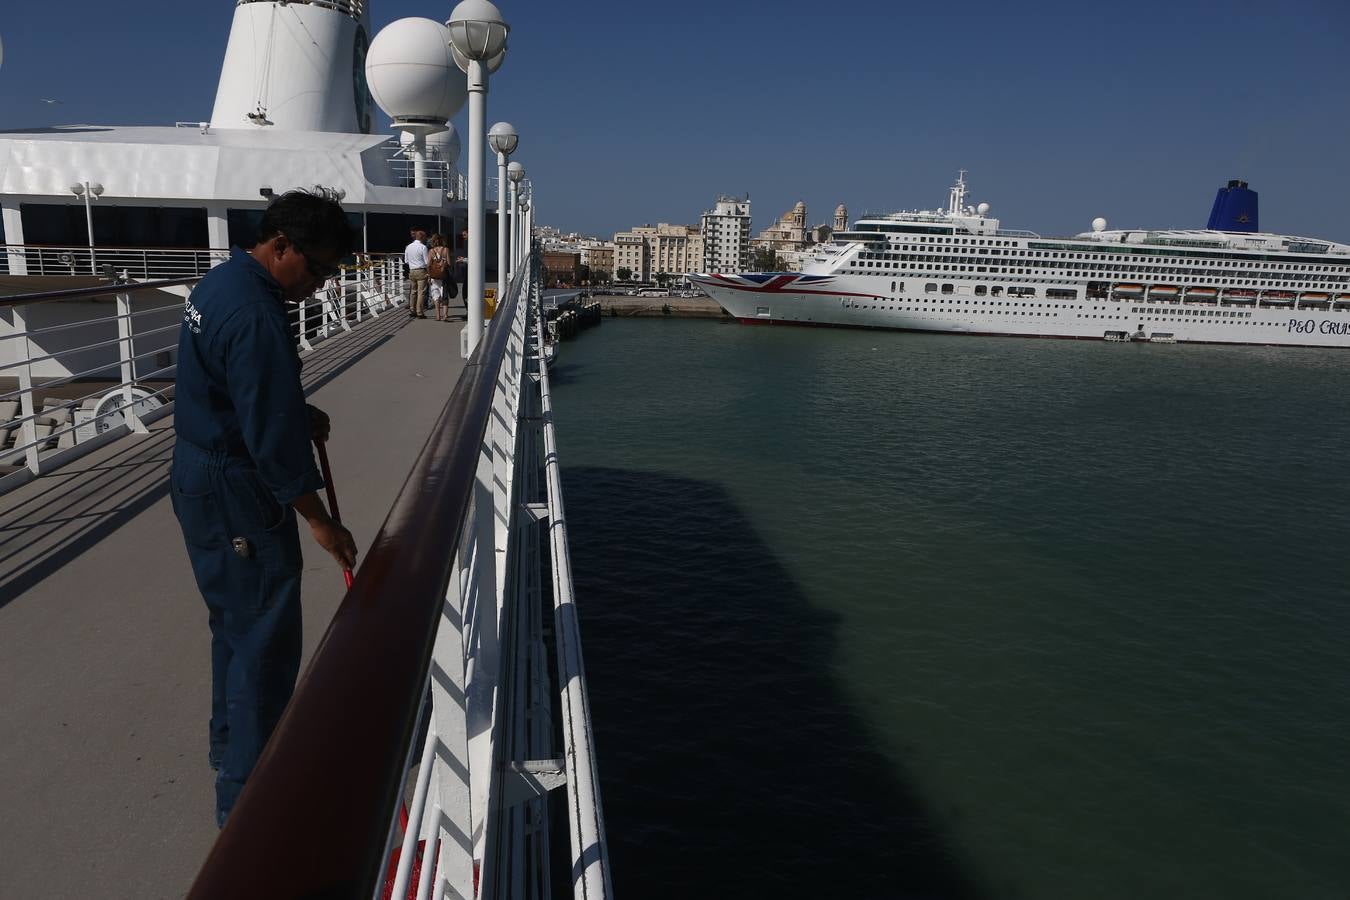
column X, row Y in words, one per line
column 104, row 647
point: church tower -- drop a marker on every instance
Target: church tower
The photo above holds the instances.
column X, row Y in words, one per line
column 841, row 218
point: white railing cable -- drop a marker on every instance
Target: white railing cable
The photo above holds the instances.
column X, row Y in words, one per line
column 590, row 853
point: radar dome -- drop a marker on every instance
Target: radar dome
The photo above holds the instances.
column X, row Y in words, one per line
column 983, row 209
column 412, row 75
column 1099, row 224
column 443, row 145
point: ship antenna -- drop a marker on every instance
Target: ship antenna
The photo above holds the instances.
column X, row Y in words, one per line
column 958, row 196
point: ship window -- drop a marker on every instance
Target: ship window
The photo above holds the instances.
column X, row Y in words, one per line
column 930, row 288
column 981, row 290
column 947, row 288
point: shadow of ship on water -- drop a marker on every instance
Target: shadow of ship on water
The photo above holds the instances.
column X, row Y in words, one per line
column 731, row 764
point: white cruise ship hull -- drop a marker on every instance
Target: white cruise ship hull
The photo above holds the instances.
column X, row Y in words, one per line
column 870, row 302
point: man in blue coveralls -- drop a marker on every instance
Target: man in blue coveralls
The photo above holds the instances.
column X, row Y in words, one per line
column 243, row 467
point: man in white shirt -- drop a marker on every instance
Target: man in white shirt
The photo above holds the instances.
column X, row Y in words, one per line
column 415, row 255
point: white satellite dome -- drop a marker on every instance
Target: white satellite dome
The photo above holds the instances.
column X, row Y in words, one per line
column 443, row 145
column 1099, row 224
column 983, row 209
column 412, row 75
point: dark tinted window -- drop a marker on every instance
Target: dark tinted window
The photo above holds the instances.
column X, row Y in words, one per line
column 48, row 223
column 149, row 226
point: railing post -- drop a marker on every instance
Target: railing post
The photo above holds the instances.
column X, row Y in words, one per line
column 126, row 350
column 302, row 312
column 28, row 431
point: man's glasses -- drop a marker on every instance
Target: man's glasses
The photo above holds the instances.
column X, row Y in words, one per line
column 317, row 270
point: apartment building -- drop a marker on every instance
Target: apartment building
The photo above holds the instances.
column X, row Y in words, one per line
column 726, row 235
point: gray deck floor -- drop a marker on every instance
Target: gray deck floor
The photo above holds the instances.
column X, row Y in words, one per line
column 104, row 648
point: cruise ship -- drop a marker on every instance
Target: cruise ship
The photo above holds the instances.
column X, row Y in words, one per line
column 958, row 271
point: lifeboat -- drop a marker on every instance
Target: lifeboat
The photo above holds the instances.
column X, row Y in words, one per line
column 1342, row 301
column 1202, row 294
column 1277, row 298
column 1128, row 290
column 1239, row 295
column 1314, row 299
column 1315, row 296
column 1164, row 291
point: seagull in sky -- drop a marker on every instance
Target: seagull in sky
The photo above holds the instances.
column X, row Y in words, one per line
column 48, row 100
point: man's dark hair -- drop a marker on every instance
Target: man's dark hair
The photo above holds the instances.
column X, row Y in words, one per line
column 312, row 223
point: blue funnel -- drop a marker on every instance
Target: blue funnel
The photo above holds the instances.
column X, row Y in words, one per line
column 1234, row 209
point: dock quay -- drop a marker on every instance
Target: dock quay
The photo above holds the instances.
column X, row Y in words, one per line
column 660, row 307
column 441, row 716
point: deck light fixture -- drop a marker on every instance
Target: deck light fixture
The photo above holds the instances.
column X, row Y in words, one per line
column 477, row 40
column 503, row 140
column 89, row 191
column 515, row 173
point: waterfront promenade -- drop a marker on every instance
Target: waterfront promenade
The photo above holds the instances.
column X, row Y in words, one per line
column 104, row 647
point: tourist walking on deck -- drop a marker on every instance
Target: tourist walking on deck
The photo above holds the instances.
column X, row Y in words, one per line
column 243, row 467
column 415, row 255
column 438, row 268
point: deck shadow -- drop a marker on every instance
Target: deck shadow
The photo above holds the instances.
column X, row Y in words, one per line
column 731, row 763
column 51, row 522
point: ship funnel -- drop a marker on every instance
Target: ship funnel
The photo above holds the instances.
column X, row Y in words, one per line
column 296, row 65
column 1234, row 209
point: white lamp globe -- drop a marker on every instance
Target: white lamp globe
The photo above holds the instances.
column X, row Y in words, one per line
column 462, row 61
column 515, row 172
column 502, row 138
column 477, row 30
column 442, row 146
column 412, row 75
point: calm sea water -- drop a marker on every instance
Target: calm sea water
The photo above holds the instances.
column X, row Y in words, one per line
column 887, row 615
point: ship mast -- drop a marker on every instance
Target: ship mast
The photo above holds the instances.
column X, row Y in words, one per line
column 956, row 205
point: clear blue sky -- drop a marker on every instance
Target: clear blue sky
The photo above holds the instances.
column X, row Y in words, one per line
column 643, row 112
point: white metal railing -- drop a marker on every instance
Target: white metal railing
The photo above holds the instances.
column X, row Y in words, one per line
column 439, row 173
column 489, row 758
column 141, row 263
column 77, row 372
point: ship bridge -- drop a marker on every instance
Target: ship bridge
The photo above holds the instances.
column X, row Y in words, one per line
column 439, row 737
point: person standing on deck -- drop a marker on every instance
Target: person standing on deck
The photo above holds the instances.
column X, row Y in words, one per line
column 243, row 467
column 415, row 255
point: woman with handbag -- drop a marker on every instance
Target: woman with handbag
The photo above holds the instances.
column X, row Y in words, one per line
column 438, row 267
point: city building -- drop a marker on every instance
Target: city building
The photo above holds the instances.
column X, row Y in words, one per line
column 788, row 233
column 726, row 235
column 562, row 267
column 631, row 252
column 841, row 218
column 598, row 257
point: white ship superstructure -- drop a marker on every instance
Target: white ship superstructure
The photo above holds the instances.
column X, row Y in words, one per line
column 957, row 270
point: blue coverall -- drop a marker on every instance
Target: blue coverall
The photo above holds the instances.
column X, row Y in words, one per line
column 242, row 456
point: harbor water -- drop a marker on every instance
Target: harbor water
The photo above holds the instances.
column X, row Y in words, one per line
column 873, row 614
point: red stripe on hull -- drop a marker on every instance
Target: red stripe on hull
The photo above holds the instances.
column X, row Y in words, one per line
column 1014, row 334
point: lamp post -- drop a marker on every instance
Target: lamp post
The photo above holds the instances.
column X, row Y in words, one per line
column 477, row 36
column 503, row 140
column 515, row 172
column 87, row 190
column 524, row 228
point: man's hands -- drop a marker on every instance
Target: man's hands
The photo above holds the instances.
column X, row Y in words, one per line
column 327, row 531
column 337, row 540
column 319, row 426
